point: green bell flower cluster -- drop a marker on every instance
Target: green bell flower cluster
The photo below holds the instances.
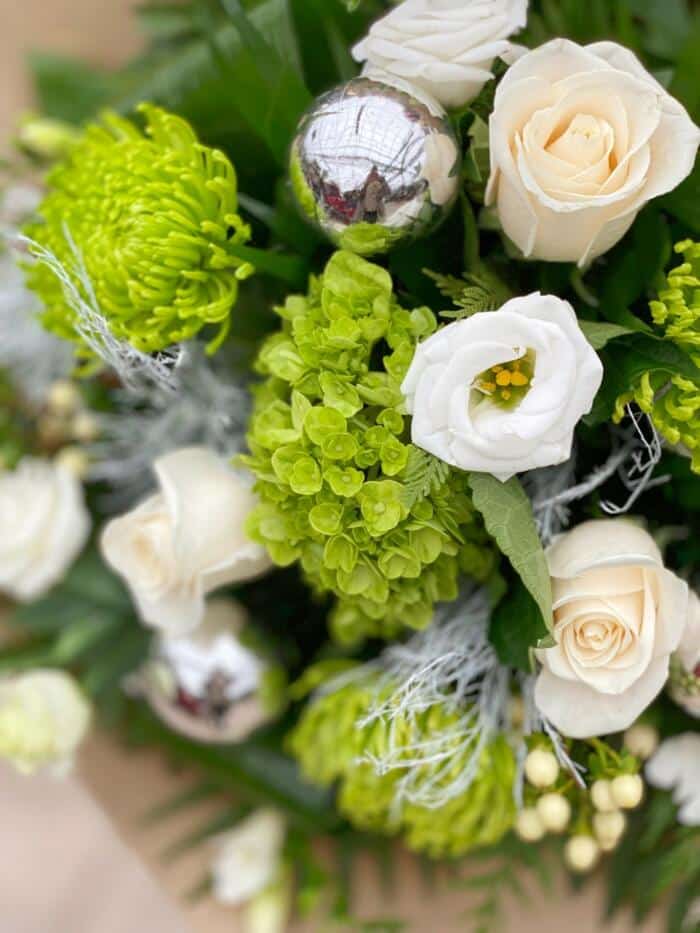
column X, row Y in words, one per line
column 674, row 404
column 373, row 520
column 152, row 220
column 332, row 745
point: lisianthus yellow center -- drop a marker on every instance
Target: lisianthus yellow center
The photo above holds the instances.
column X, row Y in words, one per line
column 507, row 384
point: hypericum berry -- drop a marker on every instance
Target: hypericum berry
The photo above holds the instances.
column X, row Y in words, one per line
column 601, row 795
column 627, row 791
column 85, row 427
column 75, row 460
column 63, row 397
column 609, row 828
column 642, row 740
column 554, row 810
column 529, row 826
column 541, row 768
column 581, row 853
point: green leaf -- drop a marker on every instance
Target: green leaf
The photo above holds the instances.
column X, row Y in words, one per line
column 270, row 93
column 632, row 266
column 684, row 202
column 423, row 474
column 599, row 333
column 508, row 518
column 517, row 625
column 67, row 89
column 685, row 85
column 626, row 362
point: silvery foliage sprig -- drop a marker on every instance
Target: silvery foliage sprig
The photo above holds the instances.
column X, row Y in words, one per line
column 637, row 450
column 451, row 663
column 32, row 357
column 205, row 403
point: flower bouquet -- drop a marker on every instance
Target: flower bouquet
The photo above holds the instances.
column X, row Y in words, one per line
column 350, row 436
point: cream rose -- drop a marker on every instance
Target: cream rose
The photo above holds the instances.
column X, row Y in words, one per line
column 248, row 858
column 581, row 139
column 186, row 540
column 44, row 525
column 685, row 664
column 444, row 47
column 618, row 616
column 43, row 719
column 676, row 766
column 502, row 391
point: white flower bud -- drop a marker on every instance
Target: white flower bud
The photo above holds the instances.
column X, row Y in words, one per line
column 601, row 795
column 609, row 827
column 85, row 427
column 554, row 810
column 581, row 853
column 528, row 825
column 627, row 791
column 642, row 740
column 541, row 768
column 75, row 460
column 63, row 397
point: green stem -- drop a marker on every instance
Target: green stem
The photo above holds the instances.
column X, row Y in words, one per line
column 290, row 269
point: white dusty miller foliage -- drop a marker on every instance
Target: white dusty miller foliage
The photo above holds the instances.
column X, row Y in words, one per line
column 203, row 407
column 636, row 452
column 453, row 664
column 32, row 357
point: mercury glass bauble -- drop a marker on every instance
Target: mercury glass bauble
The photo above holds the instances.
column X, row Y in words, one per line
column 207, row 685
column 373, row 165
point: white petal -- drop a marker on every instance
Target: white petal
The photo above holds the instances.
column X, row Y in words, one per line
column 579, row 712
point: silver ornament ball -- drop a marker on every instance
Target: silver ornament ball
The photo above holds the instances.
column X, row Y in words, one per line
column 374, row 166
column 207, row 685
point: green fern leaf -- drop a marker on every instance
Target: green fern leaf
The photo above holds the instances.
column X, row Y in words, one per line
column 423, row 474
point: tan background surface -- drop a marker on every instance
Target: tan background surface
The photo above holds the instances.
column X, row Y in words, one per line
column 63, row 868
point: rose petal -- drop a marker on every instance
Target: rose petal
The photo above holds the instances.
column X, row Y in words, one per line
column 580, row 712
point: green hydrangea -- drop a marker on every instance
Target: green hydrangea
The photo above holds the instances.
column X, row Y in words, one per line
column 674, row 405
column 372, row 519
column 332, row 746
column 153, row 219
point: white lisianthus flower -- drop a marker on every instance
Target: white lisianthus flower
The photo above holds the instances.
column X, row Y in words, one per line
column 248, row 858
column 186, row 540
column 685, row 664
column 502, row 391
column 676, row 766
column 581, row 139
column 43, row 719
column 44, row 525
column 618, row 616
column 444, row 47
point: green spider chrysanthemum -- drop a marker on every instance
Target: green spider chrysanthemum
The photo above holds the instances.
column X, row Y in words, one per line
column 674, row 404
column 333, row 744
column 373, row 520
column 152, row 218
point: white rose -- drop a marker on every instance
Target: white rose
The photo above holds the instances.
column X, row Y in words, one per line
column 618, row 616
column 248, row 858
column 44, row 525
column 186, row 540
column 43, row 719
column 502, row 391
column 676, row 766
column 685, row 667
column 184, row 667
column 444, row 47
column 581, row 139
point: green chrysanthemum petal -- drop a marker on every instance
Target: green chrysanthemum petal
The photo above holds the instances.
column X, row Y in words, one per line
column 153, row 217
column 333, row 746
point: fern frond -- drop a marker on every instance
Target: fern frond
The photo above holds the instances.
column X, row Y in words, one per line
column 424, row 474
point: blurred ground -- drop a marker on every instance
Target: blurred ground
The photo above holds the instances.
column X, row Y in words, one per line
column 64, row 869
